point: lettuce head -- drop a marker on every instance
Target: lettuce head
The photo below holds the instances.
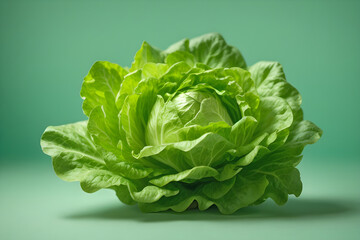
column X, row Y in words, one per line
column 190, row 126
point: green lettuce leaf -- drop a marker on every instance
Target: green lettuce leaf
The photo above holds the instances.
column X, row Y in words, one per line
column 212, row 50
column 190, row 126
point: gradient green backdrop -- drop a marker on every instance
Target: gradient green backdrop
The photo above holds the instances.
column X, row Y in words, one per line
column 47, row 47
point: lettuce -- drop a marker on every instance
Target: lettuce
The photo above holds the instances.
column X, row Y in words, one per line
column 191, row 126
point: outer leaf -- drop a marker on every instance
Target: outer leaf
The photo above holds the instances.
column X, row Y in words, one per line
column 276, row 115
column 99, row 90
column 242, row 131
column 216, row 190
column 276, row 119
column 104, row 129
column 180, row 56
column 104, row 77
column 98, row 179
column 282, row 182
column 233, row 168
column 195, row 173
column 180, row 202
column 270, row 81
column 73, row 152
column 302, row 134
column 146, row 54
column 244, row 193
column 76, row 158
column 182, row 45
column 212, row 50
column 131, row 123
column 305, row 132
column 123, row 194
column 147, row 90
column 128, row 87
column 151, row 194
column 154, row 70
column 129, row 170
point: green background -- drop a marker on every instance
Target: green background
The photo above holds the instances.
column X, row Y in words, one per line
column 47, row 47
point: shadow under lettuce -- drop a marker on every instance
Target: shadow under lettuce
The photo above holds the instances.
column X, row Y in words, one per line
column 294, row 209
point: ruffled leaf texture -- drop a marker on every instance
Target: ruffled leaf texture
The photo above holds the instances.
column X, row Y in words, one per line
column 191, row 123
